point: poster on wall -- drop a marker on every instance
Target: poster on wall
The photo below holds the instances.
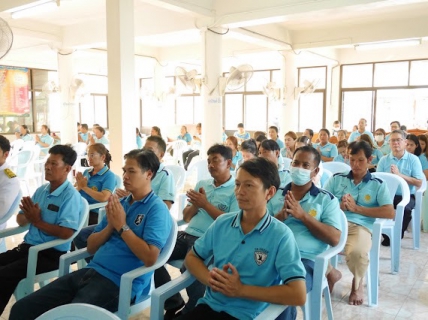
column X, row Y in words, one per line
column 14, row 91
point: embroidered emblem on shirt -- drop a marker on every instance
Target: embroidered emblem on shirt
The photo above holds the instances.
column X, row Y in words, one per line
column 260, row 256
column 222, row 207
column 367, row 198
column 94, row 188
column 139, row 219
column 313, row 212
column 9, row 173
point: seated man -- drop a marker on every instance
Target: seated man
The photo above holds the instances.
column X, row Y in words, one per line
column 131, row 235
column 9, row 183
column 312, row 214
column 53, row 213
column 363, row 198
column 407, row 166
column 241, row 134
column 252, row 253
column 210, row 199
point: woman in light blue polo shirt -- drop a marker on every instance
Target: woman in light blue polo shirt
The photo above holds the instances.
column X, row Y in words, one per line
column 100, row 137
column 24, row 133
column 423, row 142
column 45, row 141
column 96, row 184
column 232, row 143
column 327, row 150
column 139, row 139
column 184, row 135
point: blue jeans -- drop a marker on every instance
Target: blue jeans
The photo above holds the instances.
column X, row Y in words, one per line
column 291, row 312
column 82, row 286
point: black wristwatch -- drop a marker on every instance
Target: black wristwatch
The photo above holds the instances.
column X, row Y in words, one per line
column 125, row 227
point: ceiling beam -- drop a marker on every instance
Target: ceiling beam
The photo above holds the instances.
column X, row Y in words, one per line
column 6, row 5
column 199, row 7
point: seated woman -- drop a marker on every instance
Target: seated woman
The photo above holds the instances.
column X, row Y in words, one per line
column 232, row 143
column 249, row 151
column 341, row 135
column 289, row 139
column 260, row 138
column 45, row 141
column 423, row 142
column 99, row 133
column 381, row 144
column 194, row 151
column 24, row 133
column 327, row 150
column 342, row 149
column 376, row 153
column 155, row 131
column 139, row 138
column 96, row 184
column 184, row 135
column 412, row 145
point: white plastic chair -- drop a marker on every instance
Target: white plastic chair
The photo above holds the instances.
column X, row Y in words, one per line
column 126, row 309
column 201, row 168
column 326, row 175
column 80, row 149
column 313, row 307
column 13, row 208
column 26, row 286
column 179, row 175
column 287, row 163
column 78, row 311
column 19, row 163
column 336, row 167
column 392, row 228
column 179, row 146
column 16, row 146
column 416, row 215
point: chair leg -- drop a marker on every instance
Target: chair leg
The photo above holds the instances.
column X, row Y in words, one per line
column 328, row 305
column 396, row 250
column 416, row 228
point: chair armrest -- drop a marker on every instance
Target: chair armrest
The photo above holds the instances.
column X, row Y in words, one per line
column 12, row 231
column 271, row 312
column 67, row 259
column 97, row 205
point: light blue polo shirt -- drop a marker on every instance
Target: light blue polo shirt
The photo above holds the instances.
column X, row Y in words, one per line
column 409, row 165
column 61, row 208
column 325, row 208
column 263, row 257
column 329, row 150
column 224, row 136
column 27, row 137
column 163, row 184
column 280, row 143
column 244, row 136
column 102, row 180
column 424, row 161
column 187, row 137
column 385, row 148
column 339, row 158
column 150, row 220
column 236, row 159
column 84, row 136
column 276, row 203
column 139, row 142
column 354, row 135
column 102, row 140
column 371, row 192
column 222, row 197
column 377, row 155
column 46, row 139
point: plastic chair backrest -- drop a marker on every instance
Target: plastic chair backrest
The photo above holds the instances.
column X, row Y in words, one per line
column 179, row 145
column 78, row 311
column 13, row 208
column 336, row 167
column 179, row 175
column 119, row 181
column 393, row 183
column 201, row 167
column 80, row 148
column 326, row 175
column 28, row 145
column 287, row 163
column 20, row 162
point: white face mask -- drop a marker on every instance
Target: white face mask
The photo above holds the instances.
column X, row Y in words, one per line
column 300, row 176
column 379, row 137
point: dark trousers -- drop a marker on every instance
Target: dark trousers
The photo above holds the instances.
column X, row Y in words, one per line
column 196, row 290
column 13, row 268
column 203, row 311
column 407, row 211
column 188, row 156
column 82, row 286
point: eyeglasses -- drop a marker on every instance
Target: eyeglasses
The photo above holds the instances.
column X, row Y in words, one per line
column 92, row 155
column 396, row 140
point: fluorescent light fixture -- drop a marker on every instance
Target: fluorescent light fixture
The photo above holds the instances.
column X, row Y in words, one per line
column 38, row 8
column 388, row 44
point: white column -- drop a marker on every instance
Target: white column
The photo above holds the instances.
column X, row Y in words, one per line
column 122, row 109
column 67, row 121
column 288, row 119
column 212, row 105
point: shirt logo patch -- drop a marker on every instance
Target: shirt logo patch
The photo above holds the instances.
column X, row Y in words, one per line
column 9, row 173
column 313, row 212
column 260, row 256
column 139, row 219
column 222, row 207
column 94, row 188
column 367, row 198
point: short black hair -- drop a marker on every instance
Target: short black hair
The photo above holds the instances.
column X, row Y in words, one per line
column 146, row 159
column 326, row 131
column 270, row 145
column 261, row 138
column 274, row 128
column 100, row 129
column 310, row 149
column 160, row 142
column 397, row 122
column 250, row 146
column 415, row 140
column 311, row 132
column 361, row 145
column 240, row 125
column 4, row 144
column 400, row 132
column 403, row 127
column 223, row 150
column 264, row 170
column 69, row 156
column 84, row 126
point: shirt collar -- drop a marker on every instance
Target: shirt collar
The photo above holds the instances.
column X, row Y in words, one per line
column 228, row 183
column 404, row 157
column 161, row 167
column 143, row 201
column 58, row 190
column 313, row 190
column 366, row 178
column 261, row 226
column 102, row 171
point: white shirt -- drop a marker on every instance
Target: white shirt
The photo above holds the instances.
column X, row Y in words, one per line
column 9, row 189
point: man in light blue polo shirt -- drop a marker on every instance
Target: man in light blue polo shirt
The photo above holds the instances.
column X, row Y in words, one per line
column 209, row 199
column 406, row 166
column 84, row 134
column 273, row 134
column 132, row 235
column 394, row 125
column 327, row 150
column 52, row 213
column 241, row 135
column 252, row 253
column 363, row 198
column 312, row 214
column 361, row 130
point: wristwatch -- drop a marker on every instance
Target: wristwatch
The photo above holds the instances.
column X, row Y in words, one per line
column 125, row 227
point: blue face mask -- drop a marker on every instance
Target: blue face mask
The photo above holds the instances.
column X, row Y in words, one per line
column 300, row 176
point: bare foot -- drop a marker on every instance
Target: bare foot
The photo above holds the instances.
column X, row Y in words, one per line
column 357, row 295
column 332, row 277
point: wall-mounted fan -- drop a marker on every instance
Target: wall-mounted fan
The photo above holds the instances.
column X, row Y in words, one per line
column 308, row 87
column 236, row 79
column 6, row 38
column 272, row 91
column 50, row 87
column 77, row 87
column 189, row 79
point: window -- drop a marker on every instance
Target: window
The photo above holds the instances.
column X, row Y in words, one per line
column 355, row 76
column 233, row 110
column 391, row 74
column 255, row 112
column 93, row 109
column 356, row 105
column 418, row 73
